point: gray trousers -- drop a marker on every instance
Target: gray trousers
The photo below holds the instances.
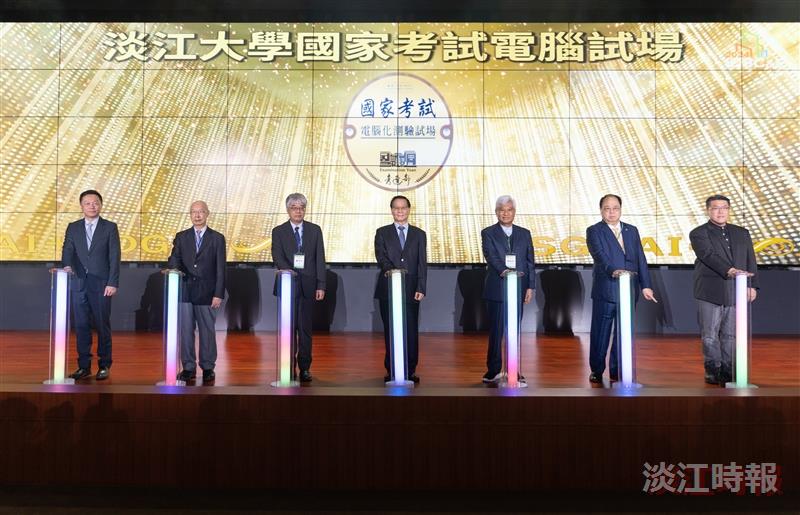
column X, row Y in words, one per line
column 718, row 332
column 204, row 317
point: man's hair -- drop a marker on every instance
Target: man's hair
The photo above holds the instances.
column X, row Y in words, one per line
column 90, row 192
column 391, row 202
column 712, row 198
column 502, row 200
column 296, row 197
column 610, row 195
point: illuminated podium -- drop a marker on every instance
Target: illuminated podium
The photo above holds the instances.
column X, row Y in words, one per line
column 172, row 328
column 741, row 354
column 510, row 376
column 624, row 326
column 398, row 352
column 286, row 343
column 59, row 327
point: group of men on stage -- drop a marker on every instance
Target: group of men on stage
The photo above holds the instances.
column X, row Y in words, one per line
column 92, row 251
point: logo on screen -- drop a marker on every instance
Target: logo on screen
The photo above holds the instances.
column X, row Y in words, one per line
column 398, row 132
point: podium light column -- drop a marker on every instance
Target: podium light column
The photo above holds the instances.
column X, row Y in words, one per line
column 59, row 327
column 172, row 328
column 624, row 323
column 741, row 357
column 397, row 334
column 286, row 342
column 510, row 375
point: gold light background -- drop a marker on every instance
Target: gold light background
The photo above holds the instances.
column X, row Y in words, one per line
column 152, row 137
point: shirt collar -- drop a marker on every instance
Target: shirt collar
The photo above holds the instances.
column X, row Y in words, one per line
column 202, row 229
column 617, row 225
column 87, row 221
column 404, row 226
column 294, row 226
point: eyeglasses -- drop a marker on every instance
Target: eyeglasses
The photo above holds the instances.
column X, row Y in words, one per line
column 720, row 208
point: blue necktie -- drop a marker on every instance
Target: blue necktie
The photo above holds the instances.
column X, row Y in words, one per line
column 199, row 240
column 402, row 236
column 297, row 239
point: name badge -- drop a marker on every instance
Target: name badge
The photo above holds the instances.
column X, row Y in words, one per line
column 299, row 261
column 511, row 261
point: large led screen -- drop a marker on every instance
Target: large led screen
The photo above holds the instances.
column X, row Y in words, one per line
column 452, row 115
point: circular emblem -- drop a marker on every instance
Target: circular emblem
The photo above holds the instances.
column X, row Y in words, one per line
column 398, row 132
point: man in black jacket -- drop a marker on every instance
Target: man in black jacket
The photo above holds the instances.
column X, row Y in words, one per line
column 402, row 246
column 297, row 245
column 92, row 251
column 723, row 251
column 199, row 252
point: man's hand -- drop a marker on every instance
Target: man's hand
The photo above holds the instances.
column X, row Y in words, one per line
column 617, row 273
column 419, row 296
column 320, row 294
column 216, row 302
column 528, row 296
column 109, row 291
column 751, row 294
column 647, row 293
column 68, row 269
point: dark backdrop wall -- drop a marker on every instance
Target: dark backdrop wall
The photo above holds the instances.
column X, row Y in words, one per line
column 453, row 303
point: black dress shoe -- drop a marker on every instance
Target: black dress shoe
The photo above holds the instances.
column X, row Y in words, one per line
column 387, row 378
column 187, row 375
column 614, row 378
column 208, row 376
column 595, row 378
column 305, row 376
column 414, row 378
column 102, row 374
column 489, row 377
column 711, row 379
column 81, row 373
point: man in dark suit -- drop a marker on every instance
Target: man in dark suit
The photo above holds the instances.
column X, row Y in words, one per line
column 92, row 251
column 723, row 251
column 506, row 247
column 615, row 247
column 298, row 245
column 199, row 252
column 400, row 245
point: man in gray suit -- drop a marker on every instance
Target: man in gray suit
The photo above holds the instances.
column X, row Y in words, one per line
column 92, row 251
column 199, row 252
column 723, row 251
column 297, row 245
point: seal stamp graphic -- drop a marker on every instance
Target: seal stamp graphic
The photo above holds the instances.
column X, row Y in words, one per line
column 398, row 132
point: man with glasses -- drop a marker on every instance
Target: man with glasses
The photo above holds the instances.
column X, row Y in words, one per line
column 723, row 251
column 199, row 252
column 297, row 245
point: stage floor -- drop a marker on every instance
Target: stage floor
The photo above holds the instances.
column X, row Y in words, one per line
column 447, row 360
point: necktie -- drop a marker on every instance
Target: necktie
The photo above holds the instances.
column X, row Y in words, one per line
column 508, row 244
column 199, row 240
column 618, row 236
column 402, row 236
column 297, row 239
column 89, row 235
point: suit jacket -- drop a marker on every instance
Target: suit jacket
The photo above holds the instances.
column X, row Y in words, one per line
column 714, row 259
column 97, row 267
column 494, row 243
column 413, row 258
column 284, row 247
column 608, row 256
column 204, row 269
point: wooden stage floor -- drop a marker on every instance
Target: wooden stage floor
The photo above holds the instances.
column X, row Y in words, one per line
column 447, row 360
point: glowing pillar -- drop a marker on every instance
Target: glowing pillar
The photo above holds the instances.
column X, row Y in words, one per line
column 510, row 376
column 742, row 350
column 625, row 330
column 59, row 327
column 172, row 328
column 397, row 335
column 286, row 342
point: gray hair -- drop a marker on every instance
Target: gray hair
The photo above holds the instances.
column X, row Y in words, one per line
column 502, row 200
column 296, row 197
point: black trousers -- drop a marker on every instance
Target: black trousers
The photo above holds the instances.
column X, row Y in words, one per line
column 412, row 334
column 87, row 307
column 303, row 309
